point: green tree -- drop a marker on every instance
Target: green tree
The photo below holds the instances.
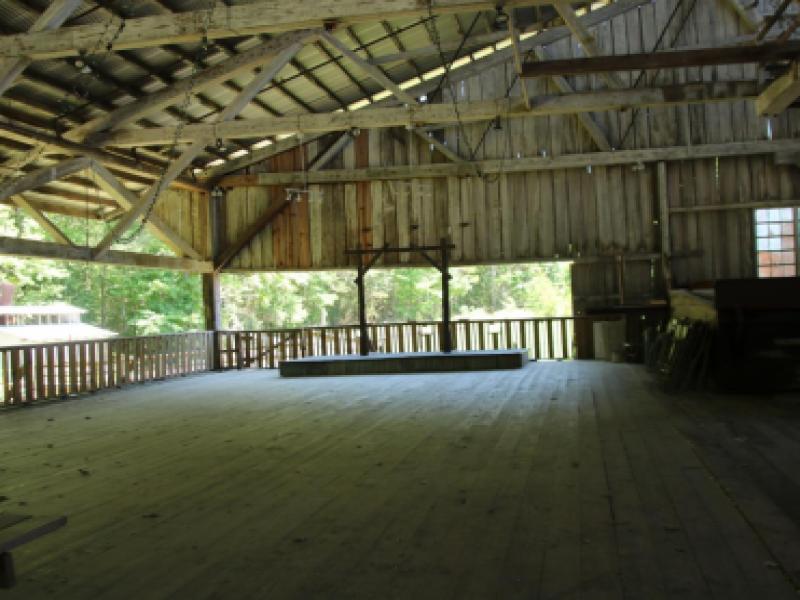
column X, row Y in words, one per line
column 126, row 300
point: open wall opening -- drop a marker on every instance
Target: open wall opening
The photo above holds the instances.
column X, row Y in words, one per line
column 321, row 298
column 123, row 300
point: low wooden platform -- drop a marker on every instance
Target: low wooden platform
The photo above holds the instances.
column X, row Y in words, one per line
column 409, row 362
column 556, row 481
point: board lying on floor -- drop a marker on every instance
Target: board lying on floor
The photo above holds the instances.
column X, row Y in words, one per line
column 410, row 362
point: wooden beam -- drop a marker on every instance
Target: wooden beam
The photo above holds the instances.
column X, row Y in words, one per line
column 781, row 93
column 36, row 214
column 522, row 165
column 523, row 85
column 444, row 150
column 211, row 76
column 42, row 176
column 225, row 21
column 371, row 70
column 586, row 120
column 425, row 114
column 585, row 38
column 127, row 199
column 749, row 15
column 271, row 213
column 769, row 52
column 36, row 249
column 56, row 205
column 162, row 99
column 470, row 43
column 250, row 91
column 546, row 37
column 51, row 18
column 44, row 143
column 770, row 21
column 258, row 155
column 700, row 208
column 330, row 153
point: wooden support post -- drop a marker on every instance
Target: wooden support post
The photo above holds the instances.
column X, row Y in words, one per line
column 211, row 308
column 446, row 341
column 663, row 221
column 211, row 284
column 362, row 308
column 7, row 576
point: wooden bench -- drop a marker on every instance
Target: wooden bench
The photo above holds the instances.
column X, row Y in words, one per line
column 16, row 530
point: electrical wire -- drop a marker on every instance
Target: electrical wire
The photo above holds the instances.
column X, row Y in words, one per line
column 643, row 74
column 446, row 65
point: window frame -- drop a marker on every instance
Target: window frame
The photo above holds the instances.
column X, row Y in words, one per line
column 796, row 232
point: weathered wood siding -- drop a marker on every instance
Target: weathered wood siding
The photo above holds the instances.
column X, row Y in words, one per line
column 188, row 215
column 592, row 215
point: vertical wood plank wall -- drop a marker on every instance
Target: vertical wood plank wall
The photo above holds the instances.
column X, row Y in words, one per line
column 559, row 214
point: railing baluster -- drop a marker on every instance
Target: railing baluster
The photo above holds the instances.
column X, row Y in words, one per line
column 5, row 365
column 41, row 387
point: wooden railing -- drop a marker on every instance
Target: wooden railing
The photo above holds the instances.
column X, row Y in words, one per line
column 57, row 370
column 40, row 372
column 545, row 339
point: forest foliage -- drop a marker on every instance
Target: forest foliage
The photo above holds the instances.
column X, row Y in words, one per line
column 133, row 301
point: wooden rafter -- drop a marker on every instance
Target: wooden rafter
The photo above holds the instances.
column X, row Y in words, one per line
column 29, row 208
column 321, row 161
column 441, row 113
column 586, row 120
column 42, row 142
column 443, row 149
column 772, row 19
column 371, row 70
column 232, row 21
column 259, row 81
column 42, row 176
column 586, row 39
column 748, row 15
column 546, row 37
column 246, row 61
column 127, row 199
column 517, row 53
column 52, row 18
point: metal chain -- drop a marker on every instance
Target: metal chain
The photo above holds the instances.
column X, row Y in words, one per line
column 82, row 77
column 433, row 29
column 187, row 98
column 75, row 86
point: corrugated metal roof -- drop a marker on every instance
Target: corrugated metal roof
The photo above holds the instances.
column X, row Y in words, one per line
column 55, row 95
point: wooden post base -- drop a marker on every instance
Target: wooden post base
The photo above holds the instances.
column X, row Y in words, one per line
column 7, row 576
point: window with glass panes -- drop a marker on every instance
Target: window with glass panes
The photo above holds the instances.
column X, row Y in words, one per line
column 777, row 233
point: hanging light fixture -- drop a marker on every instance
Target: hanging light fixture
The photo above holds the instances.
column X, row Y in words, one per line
column 500, row 18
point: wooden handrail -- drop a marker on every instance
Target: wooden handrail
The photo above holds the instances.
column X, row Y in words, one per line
column 544, row 337
column 38, row 372
column 32, row 373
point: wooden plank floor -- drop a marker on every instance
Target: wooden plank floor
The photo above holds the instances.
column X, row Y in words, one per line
column 561, row 480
